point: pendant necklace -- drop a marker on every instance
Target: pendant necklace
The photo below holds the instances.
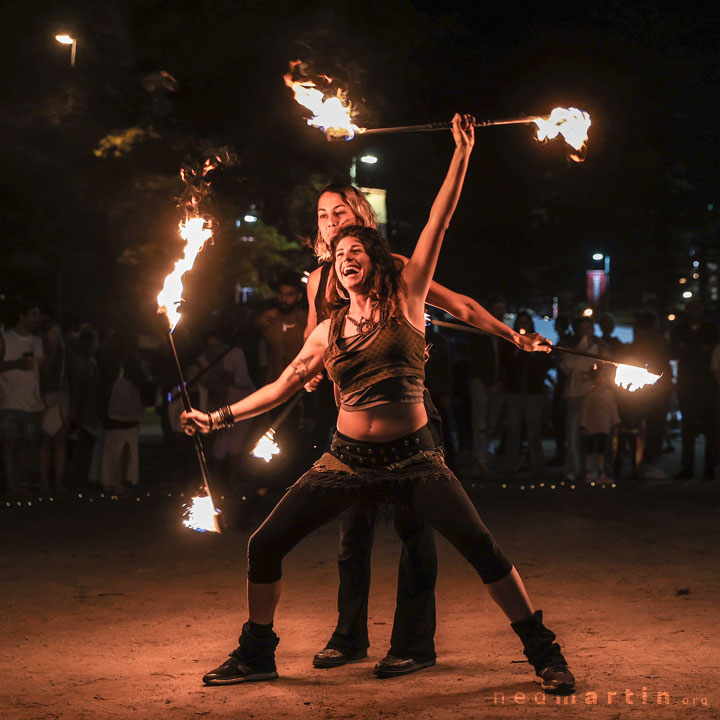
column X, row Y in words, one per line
column 364, row 325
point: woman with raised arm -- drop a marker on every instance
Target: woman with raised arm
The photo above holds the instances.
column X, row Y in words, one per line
column 373, row 347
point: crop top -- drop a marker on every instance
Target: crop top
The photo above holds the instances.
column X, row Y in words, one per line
column 383, row 366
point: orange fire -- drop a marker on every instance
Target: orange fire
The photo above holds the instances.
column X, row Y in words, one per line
column 196, row 232
column 266, row 446
column 201, row 515
column 633, row 378
column 333, row 114
column 571, row 123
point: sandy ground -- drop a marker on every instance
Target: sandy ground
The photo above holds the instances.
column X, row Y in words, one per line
column 113, row 610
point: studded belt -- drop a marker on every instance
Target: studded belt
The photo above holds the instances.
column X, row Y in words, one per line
column 369, row 454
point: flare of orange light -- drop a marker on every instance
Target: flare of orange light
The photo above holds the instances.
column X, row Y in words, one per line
column 196, row 232
column 201, row 515
column 633, row 378
column 266, row 446
column 333, row 115
column 571, row 123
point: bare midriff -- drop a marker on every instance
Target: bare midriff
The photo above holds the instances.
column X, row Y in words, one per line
column 382, row 423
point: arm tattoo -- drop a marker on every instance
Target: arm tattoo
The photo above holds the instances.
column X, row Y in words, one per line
column 300, row 368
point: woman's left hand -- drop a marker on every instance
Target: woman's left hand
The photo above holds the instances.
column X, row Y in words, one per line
column 463, row 130
column 533, row 342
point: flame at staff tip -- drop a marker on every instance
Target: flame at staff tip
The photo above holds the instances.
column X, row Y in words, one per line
column 266, row 446
column 196, row 232
column 633, row 378
column 332, row 114
column 571, row 123
column 201, row 515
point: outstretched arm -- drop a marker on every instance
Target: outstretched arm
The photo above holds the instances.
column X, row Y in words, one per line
column 307, row 363
column 420, row 268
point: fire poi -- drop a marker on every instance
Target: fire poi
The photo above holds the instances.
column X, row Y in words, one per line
column 628, row 377
column 196, row 231
column 266, row 446
column 335, row 115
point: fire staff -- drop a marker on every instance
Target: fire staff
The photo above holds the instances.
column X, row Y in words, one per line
column 373, row 347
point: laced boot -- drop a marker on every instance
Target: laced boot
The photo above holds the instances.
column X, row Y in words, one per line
column 252, row 661
column 543, row 653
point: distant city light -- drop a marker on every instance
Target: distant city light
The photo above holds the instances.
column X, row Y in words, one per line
column 687, row 294
column 672, row 317
column 696, row 276
column 587, row 312
column 598, row 256
column 64, row 39
column 682, row 281
column 696, row 263
column 368, row 159
column 238, row 223
column 250, row 218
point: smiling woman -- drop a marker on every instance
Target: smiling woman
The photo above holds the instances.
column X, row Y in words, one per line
column 383, row 449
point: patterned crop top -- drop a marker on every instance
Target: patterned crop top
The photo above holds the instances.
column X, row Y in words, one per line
column 383, row 366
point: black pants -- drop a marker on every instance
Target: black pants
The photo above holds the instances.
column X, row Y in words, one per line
column 698, row 417
column 414, row 623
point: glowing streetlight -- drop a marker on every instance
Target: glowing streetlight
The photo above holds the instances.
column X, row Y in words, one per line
column 65, row 39
column 367, row 159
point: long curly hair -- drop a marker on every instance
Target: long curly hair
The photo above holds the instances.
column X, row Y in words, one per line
column 385, row 283
column 357, row 202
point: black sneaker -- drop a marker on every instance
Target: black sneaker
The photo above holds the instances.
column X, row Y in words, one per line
column 234, row 671
column 332, row 658
column 557, row 680
column 391, row 666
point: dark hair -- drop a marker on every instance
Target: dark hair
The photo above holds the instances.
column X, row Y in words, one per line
column 526, row 314
column 385, row 283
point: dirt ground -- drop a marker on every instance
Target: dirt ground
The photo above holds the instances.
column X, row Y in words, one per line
column 114, row 610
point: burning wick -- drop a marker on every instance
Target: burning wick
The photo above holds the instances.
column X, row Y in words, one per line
column 571, row 123
column 331, row 114
column 266, row 446
column 196, row 232
column 633, row 378
column 201, row 515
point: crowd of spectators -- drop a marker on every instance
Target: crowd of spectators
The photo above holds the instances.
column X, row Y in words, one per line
column 72, row 400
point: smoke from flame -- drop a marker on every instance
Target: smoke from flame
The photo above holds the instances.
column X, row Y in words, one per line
column 332, row 114
column 571, row 123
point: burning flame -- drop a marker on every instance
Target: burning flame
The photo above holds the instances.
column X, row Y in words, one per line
column 201, row 515
column 196, row 232
column 633, row 378
column 266, row 446
column 330, row 114
column 571, row 123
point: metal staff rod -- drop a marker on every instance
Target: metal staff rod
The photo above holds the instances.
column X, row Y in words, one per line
column 431, row 127
column 558, row 348
column 197, row 442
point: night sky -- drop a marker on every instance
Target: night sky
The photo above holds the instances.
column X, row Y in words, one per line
column 91, row 234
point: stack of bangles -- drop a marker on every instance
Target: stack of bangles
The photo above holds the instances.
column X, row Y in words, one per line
column 220, row 418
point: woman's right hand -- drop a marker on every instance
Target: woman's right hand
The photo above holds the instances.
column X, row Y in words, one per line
column 463, row 130
column 193, row 421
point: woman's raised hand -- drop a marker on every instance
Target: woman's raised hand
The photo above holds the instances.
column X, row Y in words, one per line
column 193, row 421
column 463, row 130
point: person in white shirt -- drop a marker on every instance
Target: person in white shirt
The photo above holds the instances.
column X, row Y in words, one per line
column 21, row 406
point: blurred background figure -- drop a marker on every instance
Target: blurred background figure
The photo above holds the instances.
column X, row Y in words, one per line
column 613, row 344
column 564, row 339
column 21, row 406
column 525, row 385
column 692, row 344
column 578, row 384
column 126, row 393
column 283, row 325
column 488, row 357
column 55, row 388
column 599, row 418
column 226, row 380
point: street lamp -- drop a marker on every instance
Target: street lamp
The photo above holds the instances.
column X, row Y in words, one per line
column 367, row 159
column 65, row 39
